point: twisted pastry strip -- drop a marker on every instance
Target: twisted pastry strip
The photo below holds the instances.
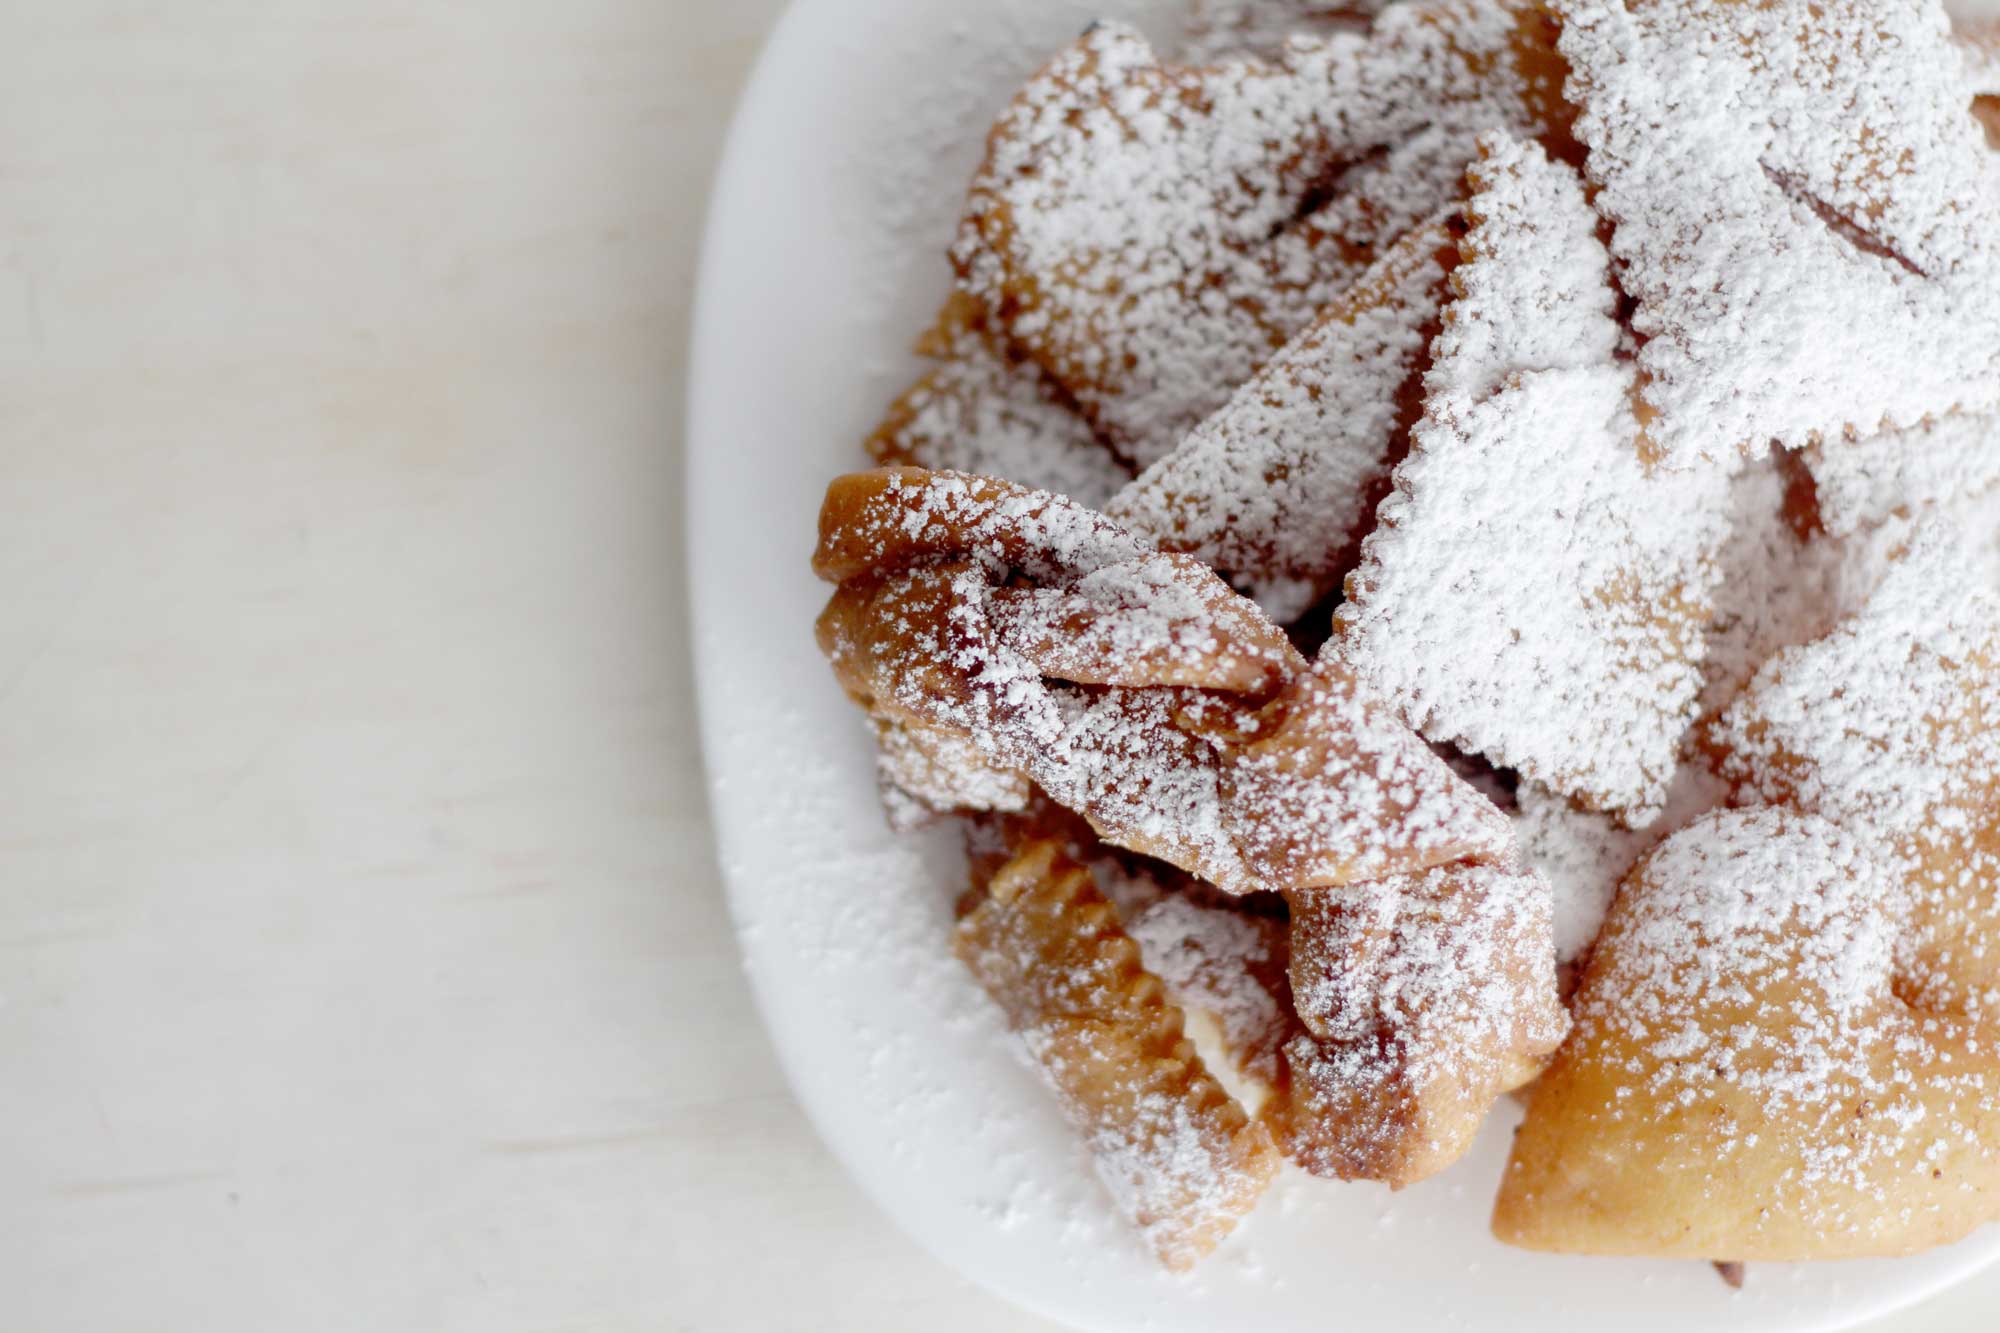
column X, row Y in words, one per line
column 1179, row 1155
column 1131, row 686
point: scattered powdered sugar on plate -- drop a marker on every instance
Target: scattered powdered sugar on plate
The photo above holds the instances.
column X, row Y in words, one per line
column 1533, row 591
column 1795, row 186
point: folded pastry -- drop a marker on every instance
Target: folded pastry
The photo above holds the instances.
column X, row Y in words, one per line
column 1425, row 998
column 1151, row 233
column 1534, row 591
column 1786, row 1042
column 1750, row 1075
column 1795, row 188
column 1276, row 488
column 1178, row 1154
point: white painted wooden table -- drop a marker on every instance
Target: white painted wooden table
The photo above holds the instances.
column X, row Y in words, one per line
column 362, row 961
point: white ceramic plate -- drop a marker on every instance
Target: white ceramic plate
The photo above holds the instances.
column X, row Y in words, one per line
column 823, row 258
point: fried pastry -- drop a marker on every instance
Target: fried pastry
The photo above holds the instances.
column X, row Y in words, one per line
column 1151, row 234
column 1890, row 726
column 1222, row 959
column 1275, row 489
column 1789, row 1020
column 1634, row 462
column 1829, row 200
column 1227, row 964
column 1750, row 1074
column 1533, row 592
column 1219, row 29
column 1129, row 685
column 979, row 409
column 1178, row 1154
column 1862, row 483
column 1794, row 566
column 925, row 771
column 1425, row 998
column 1778, row 583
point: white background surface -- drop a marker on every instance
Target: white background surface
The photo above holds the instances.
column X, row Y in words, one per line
column 362, row 963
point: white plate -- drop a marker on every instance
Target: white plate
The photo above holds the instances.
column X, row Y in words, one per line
column 823, row 258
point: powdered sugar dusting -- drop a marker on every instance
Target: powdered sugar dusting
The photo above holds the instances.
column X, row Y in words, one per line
column 1863, row 483
column 1795, row 187
column 1744, row 1037
column 1533, row 591
column 927, row 771
column 1148, row 232
column 1130, row 686
column 1220, row 29
column 1425, row 997
column 1343, row 791
column 1883, row 721
column 979, row 410
column 1776, row 583
column 1178, row 1155
column 1757, row 952
column 1582, row 854
column 1215, row 960
column 1274, row 489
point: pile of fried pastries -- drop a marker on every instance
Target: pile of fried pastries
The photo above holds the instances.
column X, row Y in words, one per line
column 1452, row 548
